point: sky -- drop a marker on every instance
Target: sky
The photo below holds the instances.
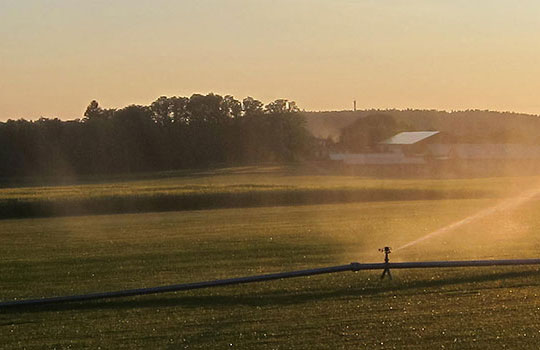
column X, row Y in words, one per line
column 58, row 55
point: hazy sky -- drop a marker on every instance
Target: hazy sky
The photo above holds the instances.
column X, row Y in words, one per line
column 58, row 55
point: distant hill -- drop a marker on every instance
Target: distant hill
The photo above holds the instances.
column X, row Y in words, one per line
column 473, row 126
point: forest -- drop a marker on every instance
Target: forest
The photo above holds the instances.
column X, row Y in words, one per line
column 170, row 133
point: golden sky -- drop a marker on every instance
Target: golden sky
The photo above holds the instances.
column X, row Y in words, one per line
column 58, row 55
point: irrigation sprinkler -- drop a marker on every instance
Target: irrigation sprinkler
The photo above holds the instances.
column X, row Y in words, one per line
column 354, row 266
column 386, row 271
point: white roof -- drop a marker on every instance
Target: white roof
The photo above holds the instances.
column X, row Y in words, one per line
column 409, row 137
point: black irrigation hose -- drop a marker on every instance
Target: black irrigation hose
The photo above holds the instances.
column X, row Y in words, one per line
column 268, row 277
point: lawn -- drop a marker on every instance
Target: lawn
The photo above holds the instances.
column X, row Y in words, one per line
column 470, row 308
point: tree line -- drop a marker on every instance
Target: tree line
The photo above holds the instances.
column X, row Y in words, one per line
column 170, row 133
column 469, row 126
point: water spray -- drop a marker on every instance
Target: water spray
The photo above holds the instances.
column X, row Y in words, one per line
column 505, row 205
column 354, row 267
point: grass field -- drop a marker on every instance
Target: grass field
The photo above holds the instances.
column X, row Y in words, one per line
column 471, row 308
column 235, row 187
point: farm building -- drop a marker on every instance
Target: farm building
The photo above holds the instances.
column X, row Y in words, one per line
column 403, row 148
column 421, row 147
column 410, row 142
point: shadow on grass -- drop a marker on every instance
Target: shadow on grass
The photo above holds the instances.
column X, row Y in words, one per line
column 280, row 297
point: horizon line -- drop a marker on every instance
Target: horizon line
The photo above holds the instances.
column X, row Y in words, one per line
column 373, row 109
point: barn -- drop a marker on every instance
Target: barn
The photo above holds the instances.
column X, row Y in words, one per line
column 412, row 147
column 410, row 143
column 421, row 147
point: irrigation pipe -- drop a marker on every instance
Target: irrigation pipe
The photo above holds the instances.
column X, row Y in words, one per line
column 354, row 266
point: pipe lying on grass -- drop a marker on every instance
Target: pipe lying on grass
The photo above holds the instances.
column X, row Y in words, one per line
column 354, row 266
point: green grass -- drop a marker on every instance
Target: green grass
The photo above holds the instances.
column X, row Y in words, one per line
column 237, row 187
column 474, row 308
column 251, row 179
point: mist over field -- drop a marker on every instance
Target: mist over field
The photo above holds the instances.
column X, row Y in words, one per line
column 491, row 218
